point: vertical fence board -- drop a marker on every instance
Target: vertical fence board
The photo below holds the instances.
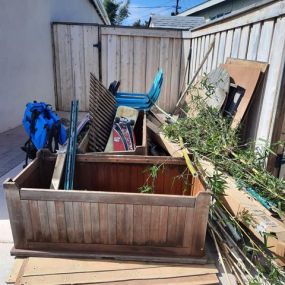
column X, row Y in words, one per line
column 139, row 64
column 152, row 60
column 265, row 41
column 176, row 62
column 216, row 50
column 253, row 41
column 104, row 59
column 228, row 46
column 193, row 57
column 221, row 51
column 77, row 59
column 210, row 57
column 90, row 38
column 199, row 40
column 207, row 42
column 65, row 67
column 275, row 73
column 243, row 42
column 236, row 40
column 128, row 55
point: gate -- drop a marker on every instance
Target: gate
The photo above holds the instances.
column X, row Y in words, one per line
column 130, row 55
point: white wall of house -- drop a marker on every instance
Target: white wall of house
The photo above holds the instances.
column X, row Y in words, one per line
column 26, row 57
column 223, row 8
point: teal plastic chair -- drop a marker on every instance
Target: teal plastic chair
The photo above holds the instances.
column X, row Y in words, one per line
column 142, row 101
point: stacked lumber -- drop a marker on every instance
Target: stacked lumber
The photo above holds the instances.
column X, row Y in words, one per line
column 262, row 223
column 55, row 271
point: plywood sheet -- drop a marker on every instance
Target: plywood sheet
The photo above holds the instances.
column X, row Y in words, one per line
column 55, row 271
column 246, row 77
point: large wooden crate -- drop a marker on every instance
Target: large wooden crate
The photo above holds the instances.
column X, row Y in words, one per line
column 107, row 215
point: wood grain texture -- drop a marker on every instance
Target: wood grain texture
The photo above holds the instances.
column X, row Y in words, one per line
column 44, row 222
column 75, row 57
column 109, row 197
column 54, row 232
column 67, row 271
column 27, row 220
column 61, row 222
column 247, row 78
column 121, row 224
column 253, row 41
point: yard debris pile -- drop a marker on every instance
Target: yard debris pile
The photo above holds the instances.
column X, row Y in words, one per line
column 247, row 215
column 208, row 130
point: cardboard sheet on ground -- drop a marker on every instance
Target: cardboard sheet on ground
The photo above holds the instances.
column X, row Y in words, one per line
column 246, row 77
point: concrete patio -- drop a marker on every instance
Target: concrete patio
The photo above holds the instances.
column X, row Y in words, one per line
column 11, row 162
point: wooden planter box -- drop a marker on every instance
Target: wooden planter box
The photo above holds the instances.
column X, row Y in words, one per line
column 106, row 215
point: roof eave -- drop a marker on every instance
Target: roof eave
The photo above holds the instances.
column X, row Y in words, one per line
column 98, row 5
column 200, row 7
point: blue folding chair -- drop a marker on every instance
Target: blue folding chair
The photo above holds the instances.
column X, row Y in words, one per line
column 141, row 101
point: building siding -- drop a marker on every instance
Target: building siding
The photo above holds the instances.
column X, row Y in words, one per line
column 26, row 57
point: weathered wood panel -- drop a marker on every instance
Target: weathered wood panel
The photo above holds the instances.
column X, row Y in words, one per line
column 112, row 222
column 130, row 55
column 133, row 56
column 75, row 56
column 255, row 34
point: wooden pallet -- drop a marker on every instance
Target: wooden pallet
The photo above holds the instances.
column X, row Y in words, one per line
column 55, row 271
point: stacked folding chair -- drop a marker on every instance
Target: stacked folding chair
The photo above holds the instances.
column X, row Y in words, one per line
column 141, row 101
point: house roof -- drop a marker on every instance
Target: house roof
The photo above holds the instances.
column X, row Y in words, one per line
column 175, row 22
column 99, row 7
column 200, row 7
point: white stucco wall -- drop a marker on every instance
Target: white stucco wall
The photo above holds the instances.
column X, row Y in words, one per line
column 26, row 64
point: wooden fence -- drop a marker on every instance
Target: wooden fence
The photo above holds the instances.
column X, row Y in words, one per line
column 255, row 34
column 133, row 55
column 127, row 54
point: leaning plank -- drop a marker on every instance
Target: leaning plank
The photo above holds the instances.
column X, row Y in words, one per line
column 58, row 171
column 120, row 275
column 173, row 149
column 247, row 78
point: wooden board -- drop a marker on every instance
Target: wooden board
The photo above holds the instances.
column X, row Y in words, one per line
column 172, row 148
column 239, row 201
column 51, row 271
column 246, row 77
column 252, row 115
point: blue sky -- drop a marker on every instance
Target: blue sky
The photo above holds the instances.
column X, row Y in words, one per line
column 141, row 9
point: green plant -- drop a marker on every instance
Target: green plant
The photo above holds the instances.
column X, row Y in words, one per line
column 117, row 11
column 209, row 135
column 149, row 185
